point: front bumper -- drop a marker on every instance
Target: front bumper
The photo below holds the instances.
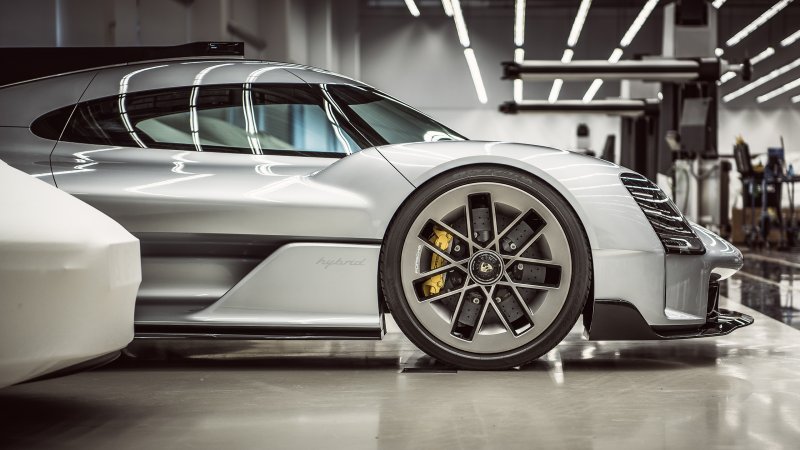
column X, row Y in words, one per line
column 690, row 306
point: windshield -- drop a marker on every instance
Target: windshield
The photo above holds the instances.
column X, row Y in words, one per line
column 385, row 120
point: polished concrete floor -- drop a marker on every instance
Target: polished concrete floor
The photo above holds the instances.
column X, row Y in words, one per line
column 736, row 391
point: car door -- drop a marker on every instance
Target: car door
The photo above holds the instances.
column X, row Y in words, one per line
column 211, row 177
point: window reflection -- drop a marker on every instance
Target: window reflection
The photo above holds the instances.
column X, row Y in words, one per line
column 243, row 118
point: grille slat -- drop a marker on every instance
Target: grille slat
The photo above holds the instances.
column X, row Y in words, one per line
column 669, row 224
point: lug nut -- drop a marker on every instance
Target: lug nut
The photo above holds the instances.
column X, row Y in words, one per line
column 475, row 235
column 457, row 248
column 520, row 266
column 498, row 299
column 512, row 246
column 476, row 300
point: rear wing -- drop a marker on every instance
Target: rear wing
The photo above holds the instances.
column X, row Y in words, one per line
column 28, row 63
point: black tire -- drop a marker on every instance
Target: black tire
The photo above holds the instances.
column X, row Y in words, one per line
column 579, row 284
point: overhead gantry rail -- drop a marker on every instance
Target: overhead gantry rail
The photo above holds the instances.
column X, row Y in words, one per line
column 616, row 107
column 657, row 70
column 669, row 70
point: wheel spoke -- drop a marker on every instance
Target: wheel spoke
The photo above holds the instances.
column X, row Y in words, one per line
column 496, row 241
column 437, row 271
column 493, row 212
column 475, row 306
column 493, row 300
column 525, row 306
column 522, row 259
column 525, row 247
column 522, row 234
column 455, row 233
column 460, row 290
column 444, row 255
column 512, row 310
column 535, row 275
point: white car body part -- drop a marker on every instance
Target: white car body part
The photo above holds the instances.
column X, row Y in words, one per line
column 68, row 280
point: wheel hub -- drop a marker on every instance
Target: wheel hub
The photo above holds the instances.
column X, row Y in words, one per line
column 486, row 267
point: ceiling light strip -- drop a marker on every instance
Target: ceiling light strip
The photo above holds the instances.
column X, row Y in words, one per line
column 796, row 99
column 448, row 8
column 615, row 56
column 768, row 77
column 412, row 8
column 727, row 76
column 760, row 20
column 781, row 90
column 580, row 19
column 567, row 56
column 791, row 39
column 595, row 86
column 718, row 3
column 461, row 26
column 769, row 51
column 554, row 91
column 638, row 22
column 519, row 23
column 476, row 75
column 518, row 91
column 592, row 91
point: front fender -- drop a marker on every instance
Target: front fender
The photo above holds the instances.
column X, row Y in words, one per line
column 628, row 258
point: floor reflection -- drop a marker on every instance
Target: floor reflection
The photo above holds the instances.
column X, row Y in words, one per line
column 768, row 284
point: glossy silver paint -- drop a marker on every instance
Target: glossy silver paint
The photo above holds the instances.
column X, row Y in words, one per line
column 326, row 208
column 629, row 260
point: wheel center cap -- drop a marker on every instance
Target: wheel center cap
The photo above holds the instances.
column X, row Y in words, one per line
column 486, row 267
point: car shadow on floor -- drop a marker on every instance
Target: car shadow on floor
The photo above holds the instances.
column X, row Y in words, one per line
column 401, row 355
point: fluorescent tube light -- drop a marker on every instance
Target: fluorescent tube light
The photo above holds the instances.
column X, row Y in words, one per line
column 781, row 90
column 615, row 55
column 761, row 20
column 519, row 55
column 590, row 93
column 519, row 23
column 769, row 51
column 638, row 22
column 789, row 40
column 461, row 26
column 577, row 26
column 727, row 76
column 448, row 8
column 796, row 99
column 768, row 77
column 557, row 83
column 476, row 75
column 412, row 8
column 517, row 91
column 567, row 56
column 718, row 3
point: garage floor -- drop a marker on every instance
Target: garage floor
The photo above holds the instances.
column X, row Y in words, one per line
column 738, row 391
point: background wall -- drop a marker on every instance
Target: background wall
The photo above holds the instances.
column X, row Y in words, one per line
column 420, row 60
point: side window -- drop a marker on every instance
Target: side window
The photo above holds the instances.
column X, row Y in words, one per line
column 252, row 119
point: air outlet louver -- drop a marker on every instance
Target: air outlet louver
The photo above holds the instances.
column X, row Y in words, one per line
column 669, row 224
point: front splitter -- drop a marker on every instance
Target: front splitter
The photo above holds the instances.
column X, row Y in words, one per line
column 615, row 320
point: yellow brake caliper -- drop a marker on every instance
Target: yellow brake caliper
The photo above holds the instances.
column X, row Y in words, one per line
column 442, row 240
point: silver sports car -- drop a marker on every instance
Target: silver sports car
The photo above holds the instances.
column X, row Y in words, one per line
column 281, row 201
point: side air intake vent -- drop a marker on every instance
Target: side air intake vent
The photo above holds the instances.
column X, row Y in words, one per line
column 669, row 224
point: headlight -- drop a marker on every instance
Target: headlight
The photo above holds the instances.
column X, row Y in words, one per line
column 669, row 224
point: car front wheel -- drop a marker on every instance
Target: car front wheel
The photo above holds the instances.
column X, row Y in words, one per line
column 486, row 268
